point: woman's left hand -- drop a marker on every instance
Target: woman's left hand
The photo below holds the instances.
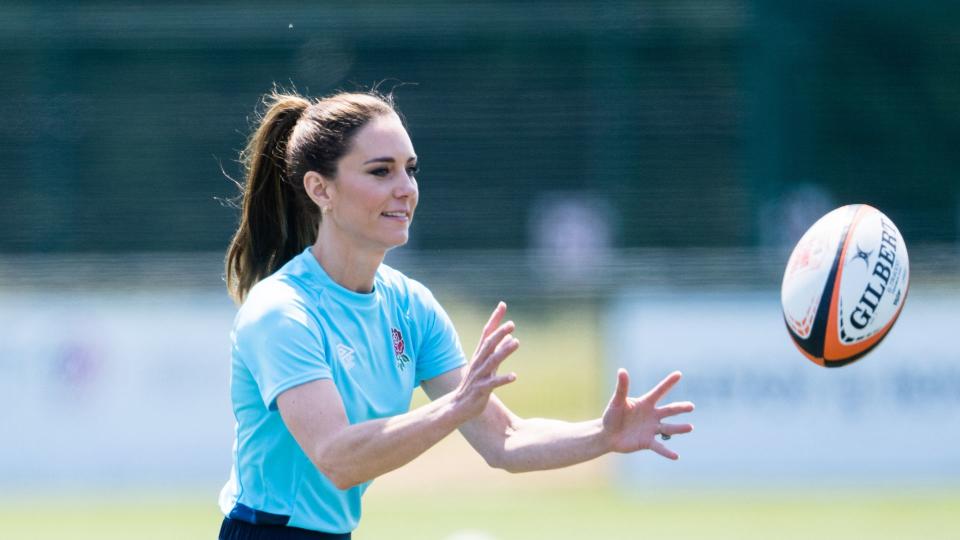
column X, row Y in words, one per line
column 632, row 424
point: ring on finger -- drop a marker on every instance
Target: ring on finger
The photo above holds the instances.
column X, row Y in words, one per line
column 663, row 436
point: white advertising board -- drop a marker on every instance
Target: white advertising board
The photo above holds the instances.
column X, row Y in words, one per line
column 133, row 390
column 766, row 415
column 101, row 389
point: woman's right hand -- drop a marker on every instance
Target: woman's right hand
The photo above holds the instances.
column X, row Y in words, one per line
column 496, row 344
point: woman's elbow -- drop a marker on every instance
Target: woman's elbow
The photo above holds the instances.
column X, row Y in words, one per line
column 512, row 468
column 341, row 481
column 494, row 461
column 335, row 473
column 500, row 460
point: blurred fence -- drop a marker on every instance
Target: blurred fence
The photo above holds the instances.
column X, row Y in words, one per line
column 471, row 273
column 693, row 123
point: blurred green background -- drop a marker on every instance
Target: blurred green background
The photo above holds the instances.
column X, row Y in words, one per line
column 569, row 151
column 118, row 116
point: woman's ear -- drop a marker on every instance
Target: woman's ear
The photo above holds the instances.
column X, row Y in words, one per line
column 318, row 188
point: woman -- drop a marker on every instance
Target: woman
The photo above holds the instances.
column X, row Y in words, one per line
column 329, row 342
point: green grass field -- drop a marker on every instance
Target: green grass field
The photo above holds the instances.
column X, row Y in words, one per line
column 557, row 514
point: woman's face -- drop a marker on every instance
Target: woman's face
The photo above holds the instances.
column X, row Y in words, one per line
column 374, row 195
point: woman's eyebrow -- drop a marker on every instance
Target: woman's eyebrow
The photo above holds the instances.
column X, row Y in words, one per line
column 387, row 160
column 379, row 160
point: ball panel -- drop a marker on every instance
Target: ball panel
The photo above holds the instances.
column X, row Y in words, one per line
column 874, row 275
column 870, row 269
column 837, row 355
column 802, row 345
column 829, row 233
column 830, row 352
column 808, row 268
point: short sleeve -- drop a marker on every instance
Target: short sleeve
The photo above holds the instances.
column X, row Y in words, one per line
column 441, row 350
column 282, row 348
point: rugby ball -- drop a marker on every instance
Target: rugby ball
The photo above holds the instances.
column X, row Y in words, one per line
column 845, row 285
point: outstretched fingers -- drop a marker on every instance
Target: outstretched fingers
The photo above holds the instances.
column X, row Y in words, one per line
column 485, row 369
column 675, row 429
column 493, row 321
column 678, row 407
column 659, row 448
column 494, row 341
column 507, row 346
column 675, row 408
column 664, row 386
column 501, row 380
column 623, row 387
column 496, row 344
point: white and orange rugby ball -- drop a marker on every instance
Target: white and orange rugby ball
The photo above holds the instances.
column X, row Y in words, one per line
column 845, row 285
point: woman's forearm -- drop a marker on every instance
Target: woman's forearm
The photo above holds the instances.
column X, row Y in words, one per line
column 535, row 444
column 363, row 451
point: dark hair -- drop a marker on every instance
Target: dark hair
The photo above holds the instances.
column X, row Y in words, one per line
column 295, row 135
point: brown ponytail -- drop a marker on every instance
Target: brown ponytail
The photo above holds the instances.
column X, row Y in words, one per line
column 277, row 219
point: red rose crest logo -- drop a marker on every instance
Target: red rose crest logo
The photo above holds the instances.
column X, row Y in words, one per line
column 397, row 341
column 398, row 348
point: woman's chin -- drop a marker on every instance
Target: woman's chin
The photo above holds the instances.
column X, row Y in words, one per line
column 395, row 241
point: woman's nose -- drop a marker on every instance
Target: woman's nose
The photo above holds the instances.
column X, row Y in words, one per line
column 406, row 186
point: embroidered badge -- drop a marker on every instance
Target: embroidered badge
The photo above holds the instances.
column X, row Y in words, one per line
column 398, row 348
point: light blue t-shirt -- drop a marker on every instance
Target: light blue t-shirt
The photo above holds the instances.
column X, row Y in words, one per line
column 296, row 326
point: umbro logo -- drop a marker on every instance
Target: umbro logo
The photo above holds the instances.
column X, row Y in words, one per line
column 346, row 354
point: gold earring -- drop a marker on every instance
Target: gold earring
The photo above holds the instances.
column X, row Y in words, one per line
column 325, row 209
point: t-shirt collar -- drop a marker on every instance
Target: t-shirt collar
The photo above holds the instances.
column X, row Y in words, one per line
column 322, row 280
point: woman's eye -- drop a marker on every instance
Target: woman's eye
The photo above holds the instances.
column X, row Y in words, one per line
column 381, row 171
column 413, row 170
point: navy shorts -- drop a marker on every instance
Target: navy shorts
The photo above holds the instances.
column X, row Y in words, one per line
column 234, row 529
